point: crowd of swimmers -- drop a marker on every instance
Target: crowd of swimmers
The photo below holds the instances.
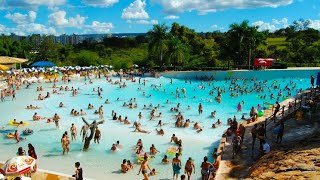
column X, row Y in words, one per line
column 237, row 88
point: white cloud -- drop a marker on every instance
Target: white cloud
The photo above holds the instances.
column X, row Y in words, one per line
column 315, row 24
column 30, row 4
column 45, row 2
column 171, row 17
column 24, row 29
column 283, row 22
column 2, row 29
column 59, row 19
column 135, row 10
column 99, row 3
column 263, row 26
column 143, row 21
column 19, row 18
column 99, row 27
column 206, row 6
column 214, row 26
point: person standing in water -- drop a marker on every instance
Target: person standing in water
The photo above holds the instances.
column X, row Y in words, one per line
column 239, row 107
column 312, row 81
column 144, row 168
column 97, row 136
column 84, row 130
column 176, row 166
column 73, row 131
column 189, row 168
column 200, row 110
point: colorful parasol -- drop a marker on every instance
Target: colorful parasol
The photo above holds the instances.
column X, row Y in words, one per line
column 19, row 165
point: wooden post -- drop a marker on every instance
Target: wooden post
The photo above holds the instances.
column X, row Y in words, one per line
column 283, row 111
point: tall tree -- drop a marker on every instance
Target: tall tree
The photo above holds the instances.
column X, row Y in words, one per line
column 158, row 41
column 176, row 51
column 241, row 40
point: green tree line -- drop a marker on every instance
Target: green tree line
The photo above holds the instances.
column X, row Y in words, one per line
column 178, row 47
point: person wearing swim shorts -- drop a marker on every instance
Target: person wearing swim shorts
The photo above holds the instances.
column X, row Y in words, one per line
column 176, row 166
column 205, row 168
column 144, row 168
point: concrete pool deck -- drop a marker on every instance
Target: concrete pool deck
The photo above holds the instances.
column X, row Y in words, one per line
column 238, row 167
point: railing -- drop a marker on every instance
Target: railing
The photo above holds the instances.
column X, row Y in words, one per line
column 285, row 110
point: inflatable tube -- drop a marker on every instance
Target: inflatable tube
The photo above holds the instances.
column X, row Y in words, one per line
column 25, row 132
column 260, row 113
column 10, row 136
column 15, row 124
column 140, row 157
column 172, row 151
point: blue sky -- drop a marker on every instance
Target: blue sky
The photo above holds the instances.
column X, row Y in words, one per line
column 56, row 17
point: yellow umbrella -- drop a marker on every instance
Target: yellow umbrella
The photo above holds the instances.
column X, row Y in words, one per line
column 3, row 67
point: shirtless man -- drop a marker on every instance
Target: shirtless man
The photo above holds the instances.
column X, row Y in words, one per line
column 36, row 117
column 144, row 168
column 97, row 136
column 160, row 132
column 73, row 131
column 83, row 131
column 56, row 119
column 205, row 168
column 153, row 150
column 124, row 166
column 196, row 126
column 200, row 110
column 175, row 139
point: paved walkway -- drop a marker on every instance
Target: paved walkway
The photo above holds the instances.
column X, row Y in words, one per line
column 239, row 166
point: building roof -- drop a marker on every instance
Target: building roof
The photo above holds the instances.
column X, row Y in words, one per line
column 11, row 60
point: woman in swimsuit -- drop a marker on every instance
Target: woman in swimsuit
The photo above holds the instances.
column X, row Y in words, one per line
column 176, row 166
column 189, row 168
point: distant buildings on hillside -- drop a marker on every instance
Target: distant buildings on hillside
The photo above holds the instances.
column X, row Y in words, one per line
column 74, row 38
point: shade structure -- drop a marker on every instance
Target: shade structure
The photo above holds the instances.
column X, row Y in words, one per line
column 19, row 165
column 11, row 60
column 3, row 67
column 43, row 64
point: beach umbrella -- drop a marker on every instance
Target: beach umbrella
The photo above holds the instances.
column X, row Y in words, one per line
column 43, row 64
column 3, row 67
column 19, row 165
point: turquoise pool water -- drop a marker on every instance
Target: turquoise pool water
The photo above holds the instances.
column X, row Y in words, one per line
column 100, row 162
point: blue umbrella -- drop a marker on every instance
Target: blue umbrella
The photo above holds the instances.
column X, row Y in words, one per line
column 43, row 64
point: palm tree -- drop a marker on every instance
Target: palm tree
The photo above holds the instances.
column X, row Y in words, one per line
column 176, row 51
column 242, row 38
column 158, row 41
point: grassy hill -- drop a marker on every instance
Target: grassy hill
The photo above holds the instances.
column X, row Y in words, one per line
column 280, row 42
